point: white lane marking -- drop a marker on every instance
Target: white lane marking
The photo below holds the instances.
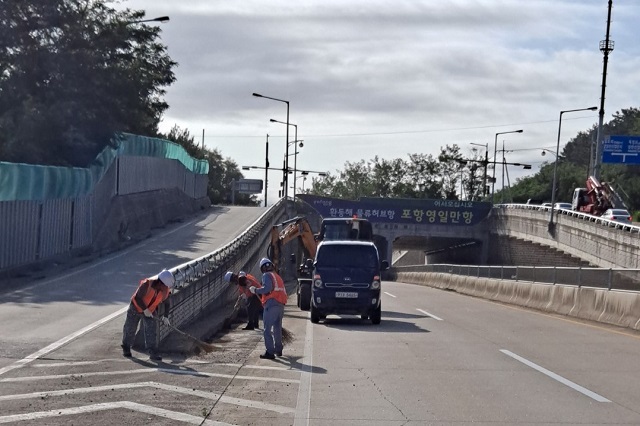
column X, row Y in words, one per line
column 154, row 411
column 389, row 294
column 429, row 315
column 188, row 362
column 177, row 389
column 145, row 370
column 303, row 404
column 555, row 376
column 55, row 345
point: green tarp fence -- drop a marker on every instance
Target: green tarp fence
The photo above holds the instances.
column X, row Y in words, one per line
column 34, row 182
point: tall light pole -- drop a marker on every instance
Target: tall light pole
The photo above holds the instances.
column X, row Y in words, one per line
column 555, row 165
column 266, row 169
column 285, row 171
column 295, row 157
column 495, row 153
column 486, row 163
column 606, row 46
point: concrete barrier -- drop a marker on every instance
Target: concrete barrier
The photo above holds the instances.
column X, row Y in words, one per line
column 616, row 307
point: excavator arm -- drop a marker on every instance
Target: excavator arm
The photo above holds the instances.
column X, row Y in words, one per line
column 283, row 233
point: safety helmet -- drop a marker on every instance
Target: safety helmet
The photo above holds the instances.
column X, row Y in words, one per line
column 167, row 278
column 265, row 261
column 242, row 274
column 228, row 276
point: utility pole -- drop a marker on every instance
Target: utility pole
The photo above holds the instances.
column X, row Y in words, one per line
column 606, row 46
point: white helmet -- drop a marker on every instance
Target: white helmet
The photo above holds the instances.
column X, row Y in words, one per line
column 167, row 278
column 242, row 274
column 265, row 261
column 228, row 276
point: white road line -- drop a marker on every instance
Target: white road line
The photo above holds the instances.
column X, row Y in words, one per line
column 187, row 362
column 147, row 409
column 429, row 315
column 55, row 345
column 303, row 404
column 177, row 389
column 389, row 294
column 555, row 376
column 145, row 370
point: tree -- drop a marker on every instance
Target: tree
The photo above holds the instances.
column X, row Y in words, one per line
column 221, row 171
column 74, row 73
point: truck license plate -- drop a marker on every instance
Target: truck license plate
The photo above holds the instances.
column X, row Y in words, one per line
column 347, row 294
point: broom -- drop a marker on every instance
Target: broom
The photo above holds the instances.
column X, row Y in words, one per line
column 207, row 347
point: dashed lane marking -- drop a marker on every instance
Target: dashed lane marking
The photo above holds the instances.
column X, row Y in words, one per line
column 146, row 370
column 557, row 377
column 389, row 294
column 429, row 315
column 156, row 385
column 154, row 411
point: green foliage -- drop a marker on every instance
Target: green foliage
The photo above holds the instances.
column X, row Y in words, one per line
column 424, row 176
column 221, row 171
column 72, row 74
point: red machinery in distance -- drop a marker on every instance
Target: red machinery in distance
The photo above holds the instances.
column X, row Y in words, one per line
column 596, row 198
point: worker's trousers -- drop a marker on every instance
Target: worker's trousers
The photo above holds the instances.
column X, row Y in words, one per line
column 254, row 307
column 131, row 326
column 272, row 319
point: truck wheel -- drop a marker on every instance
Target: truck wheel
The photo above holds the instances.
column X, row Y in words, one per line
column 315, row 316
column 376, row 316
column 305, row 298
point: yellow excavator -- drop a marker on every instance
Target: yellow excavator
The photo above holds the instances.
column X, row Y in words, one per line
column 298, row 227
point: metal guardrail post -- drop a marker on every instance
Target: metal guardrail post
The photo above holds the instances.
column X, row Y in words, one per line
column 517, row 277
column 580, row 277
column 555, row 271
column 610, row 280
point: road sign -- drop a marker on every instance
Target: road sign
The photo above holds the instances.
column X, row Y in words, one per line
column 621, row 150
column 249, row 186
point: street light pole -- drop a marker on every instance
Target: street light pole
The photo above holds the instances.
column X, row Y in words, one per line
column 486, row 163
column 266, row 170
column 285, row 177
column 555, row 165
column 495, row 153
column 295, row 158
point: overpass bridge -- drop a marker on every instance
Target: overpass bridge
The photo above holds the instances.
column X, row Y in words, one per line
column 477, row 234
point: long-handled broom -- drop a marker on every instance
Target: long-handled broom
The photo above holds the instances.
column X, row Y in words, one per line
column 207, row 347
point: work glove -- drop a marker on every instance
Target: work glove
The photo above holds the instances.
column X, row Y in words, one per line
column 165, row 321
column 252, row 289
column 147, row 313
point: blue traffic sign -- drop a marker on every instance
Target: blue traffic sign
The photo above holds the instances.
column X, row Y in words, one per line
column 621, row 150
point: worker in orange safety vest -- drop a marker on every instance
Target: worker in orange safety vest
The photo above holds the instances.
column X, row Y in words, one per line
column 250, row 300
column 151, row 292
column 274, row 298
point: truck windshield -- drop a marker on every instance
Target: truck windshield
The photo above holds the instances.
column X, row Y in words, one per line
column 347, row 256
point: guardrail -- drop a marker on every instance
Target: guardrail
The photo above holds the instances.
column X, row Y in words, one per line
column 609, row 278
column 200, row 287
column 579, row 215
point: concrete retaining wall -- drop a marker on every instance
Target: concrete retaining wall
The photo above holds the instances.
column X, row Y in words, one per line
column 616, row 307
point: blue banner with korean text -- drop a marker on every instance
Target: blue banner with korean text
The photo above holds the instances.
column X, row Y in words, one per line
column 402, row 210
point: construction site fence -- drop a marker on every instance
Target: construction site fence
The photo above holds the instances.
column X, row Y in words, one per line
column 35, row 227
column 611, row 278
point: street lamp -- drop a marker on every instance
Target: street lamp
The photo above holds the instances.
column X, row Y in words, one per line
column 285, row 178
column 495, row 153
column 158, row 19
column 486, row 163
column 555, row 165
column 295, row 158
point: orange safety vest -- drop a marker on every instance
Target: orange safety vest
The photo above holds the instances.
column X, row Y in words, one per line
column 252, row 281
column 151, row 295
column 279, row 292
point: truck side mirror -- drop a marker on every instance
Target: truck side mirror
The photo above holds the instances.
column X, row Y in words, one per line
column 384, row 265
column 292, row 258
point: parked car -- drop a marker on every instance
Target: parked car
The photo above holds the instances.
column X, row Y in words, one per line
column 618, row 215
column 565, row 206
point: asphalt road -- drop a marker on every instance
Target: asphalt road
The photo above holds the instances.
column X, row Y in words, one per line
column 437, row 358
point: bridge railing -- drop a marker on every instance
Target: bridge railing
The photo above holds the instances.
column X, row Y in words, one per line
column 611, row 278
column 200, row 287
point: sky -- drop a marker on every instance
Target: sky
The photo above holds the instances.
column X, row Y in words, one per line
column 368, row 78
